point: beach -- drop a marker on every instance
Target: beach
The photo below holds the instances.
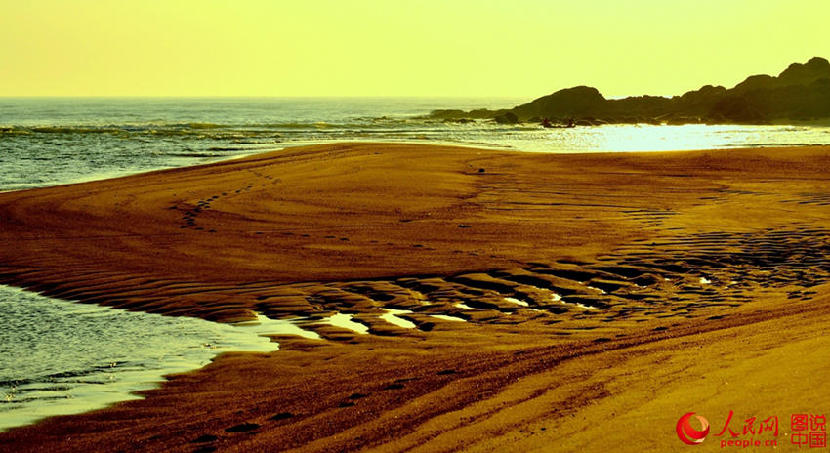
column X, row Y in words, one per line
column 555, row 302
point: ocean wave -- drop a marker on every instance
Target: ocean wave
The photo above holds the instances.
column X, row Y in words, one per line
column 194, row 128
column 194, row 154
column 205, row 125
column 239, row 148
column 201, row 131
column 74, row 130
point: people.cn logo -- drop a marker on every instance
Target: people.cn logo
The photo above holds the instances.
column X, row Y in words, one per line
column 690, row 435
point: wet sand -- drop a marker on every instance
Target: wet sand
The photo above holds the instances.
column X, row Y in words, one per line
column 647, row 282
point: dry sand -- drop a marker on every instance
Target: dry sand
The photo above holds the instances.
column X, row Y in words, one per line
column 689, row 281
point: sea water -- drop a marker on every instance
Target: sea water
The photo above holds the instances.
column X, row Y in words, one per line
column 59, row 357
column 54, row 141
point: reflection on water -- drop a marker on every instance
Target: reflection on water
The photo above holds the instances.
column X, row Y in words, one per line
column 641, row 137
column 449, row 318
column 513, row 300
column 268, row 326
column 390, row 317
column 60, row 357
column 345, row 321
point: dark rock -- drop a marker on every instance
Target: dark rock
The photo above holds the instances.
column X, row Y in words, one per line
column 800, row 92
column 507, row 118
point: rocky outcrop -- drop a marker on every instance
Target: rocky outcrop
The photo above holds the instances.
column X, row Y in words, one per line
column 800, row 93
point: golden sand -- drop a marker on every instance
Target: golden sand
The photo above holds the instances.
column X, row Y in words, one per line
column 652, row 284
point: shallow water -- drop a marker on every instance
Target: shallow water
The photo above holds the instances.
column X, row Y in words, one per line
column 513, row 300
column 449, row 318
column 391, row 317
column 60, row 357
column 345, row 321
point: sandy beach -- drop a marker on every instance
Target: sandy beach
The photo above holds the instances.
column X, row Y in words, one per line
column 584, row 302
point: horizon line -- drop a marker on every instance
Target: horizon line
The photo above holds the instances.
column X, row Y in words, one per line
column 249, row 97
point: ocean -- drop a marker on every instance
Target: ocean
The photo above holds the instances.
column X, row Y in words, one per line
column 58, row 357
column 56, row 141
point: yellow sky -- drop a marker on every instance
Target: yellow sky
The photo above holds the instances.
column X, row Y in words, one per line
column 521, row 48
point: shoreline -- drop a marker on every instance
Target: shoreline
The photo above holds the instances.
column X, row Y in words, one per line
column 83, row 357
column 627, row 241
column 528, row 138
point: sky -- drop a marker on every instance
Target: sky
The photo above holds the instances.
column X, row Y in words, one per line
column 428, row 48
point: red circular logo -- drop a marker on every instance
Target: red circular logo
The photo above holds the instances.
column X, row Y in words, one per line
column 690, row 435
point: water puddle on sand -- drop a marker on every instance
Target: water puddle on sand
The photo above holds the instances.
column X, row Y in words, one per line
column 516, row 301
column 557, row 298
column 264, row 325
column 449, row 318
column 59, row 357
column 390, row 317
column 345, row 321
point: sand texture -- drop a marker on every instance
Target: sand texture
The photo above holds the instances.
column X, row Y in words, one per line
column 604, row 295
